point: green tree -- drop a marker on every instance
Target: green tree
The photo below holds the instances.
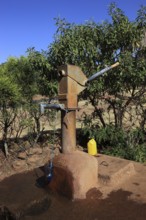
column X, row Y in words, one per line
column 92, row 46
column 46, row 80
column 10, row 98
column 32, row 74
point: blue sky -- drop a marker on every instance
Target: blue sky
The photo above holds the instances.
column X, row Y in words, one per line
column 30, row 23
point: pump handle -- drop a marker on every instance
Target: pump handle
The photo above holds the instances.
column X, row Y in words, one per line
column 102, row 71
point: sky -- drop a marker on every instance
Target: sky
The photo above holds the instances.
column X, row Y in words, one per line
column 30, row 23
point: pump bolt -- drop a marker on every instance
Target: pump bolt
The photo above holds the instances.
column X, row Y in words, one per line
column 61, row 73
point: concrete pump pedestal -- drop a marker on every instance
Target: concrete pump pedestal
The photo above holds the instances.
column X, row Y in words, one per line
column 74, row 174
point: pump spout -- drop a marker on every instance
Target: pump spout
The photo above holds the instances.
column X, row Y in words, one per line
column 101, row 72
column 44, row 106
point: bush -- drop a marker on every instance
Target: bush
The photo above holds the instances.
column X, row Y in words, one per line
column 117, row 142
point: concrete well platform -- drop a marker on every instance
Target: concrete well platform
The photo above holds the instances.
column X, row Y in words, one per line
column 74, row 174
column 113, row 171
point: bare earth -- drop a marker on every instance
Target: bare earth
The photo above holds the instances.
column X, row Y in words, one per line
column 121, row 195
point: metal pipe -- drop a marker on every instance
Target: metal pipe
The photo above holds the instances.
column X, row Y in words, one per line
column 44, row 106
column 68, row 131
column 101, row 72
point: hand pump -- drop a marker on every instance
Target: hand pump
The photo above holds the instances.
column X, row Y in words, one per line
column 72, row 82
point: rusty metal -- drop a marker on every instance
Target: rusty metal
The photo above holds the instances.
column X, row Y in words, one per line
column 70, row 85
column 68, row 129
column 72, row 82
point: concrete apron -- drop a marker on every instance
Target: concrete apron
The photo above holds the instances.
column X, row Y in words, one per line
column 74, row 174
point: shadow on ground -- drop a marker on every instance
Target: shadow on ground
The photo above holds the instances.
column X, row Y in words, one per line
column 117, row 206
column 21, row 198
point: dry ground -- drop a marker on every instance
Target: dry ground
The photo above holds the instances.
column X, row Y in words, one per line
column 114, row 200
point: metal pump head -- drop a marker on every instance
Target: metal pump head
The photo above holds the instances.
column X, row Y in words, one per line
column 70, row 85
column 73, row 81
column 75, row 76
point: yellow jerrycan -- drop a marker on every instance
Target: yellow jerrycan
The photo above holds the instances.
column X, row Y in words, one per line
column 92, row 147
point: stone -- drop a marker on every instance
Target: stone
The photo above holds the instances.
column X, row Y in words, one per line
column 56, row 151
column 22, row 155
column 46, row 150
column 14, row 146
column 46, row 144
column 26, row 145
column 74, row 174
column 35, row 150
column 19, row 165
column 34, row 160
column 36, row 145
column 46, row 154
